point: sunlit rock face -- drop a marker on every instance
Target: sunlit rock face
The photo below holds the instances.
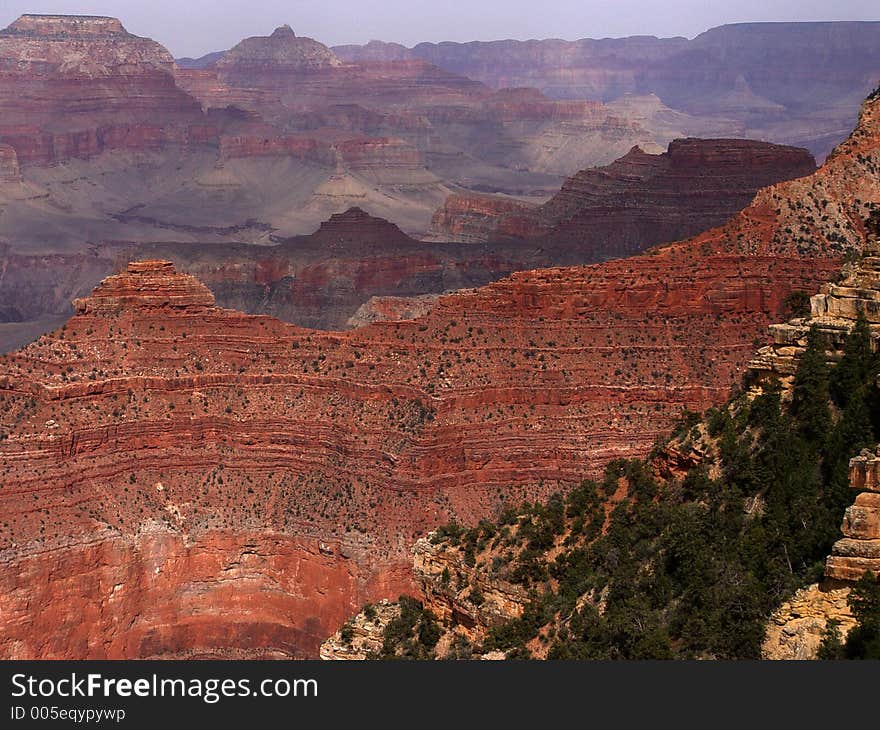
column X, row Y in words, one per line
column 74, row 86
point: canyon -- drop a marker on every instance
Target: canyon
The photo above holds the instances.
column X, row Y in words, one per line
column 274, row 315
column 765, row 77
column 274, row 137
column 211, row 462
column 111, row 151
column 477, row 584
column 321, row 279
column 635, row 202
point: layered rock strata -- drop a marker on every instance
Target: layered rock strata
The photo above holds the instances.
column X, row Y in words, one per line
column 858, row 551
column 466, row 601
column 796, row 629
column 153, row 412
column 361, row 637
column 638, row 201
column 485, row 602
column 833, row 313
column 761, row 76
column 74, row 86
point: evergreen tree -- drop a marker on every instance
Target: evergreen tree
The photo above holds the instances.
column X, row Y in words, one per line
column 852, row 433
column 857, row 364
column 811, row 390
column 863, row 641
column 831, row 646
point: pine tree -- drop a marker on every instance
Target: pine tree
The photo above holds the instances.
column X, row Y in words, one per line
column 856, row 366
column 811, row 391
column 831, row 646
column 863, row 641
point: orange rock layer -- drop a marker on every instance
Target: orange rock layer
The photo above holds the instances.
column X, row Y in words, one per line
column 154, row 413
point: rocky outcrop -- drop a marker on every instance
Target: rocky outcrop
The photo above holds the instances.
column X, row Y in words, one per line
column 796, row 629
column 477, row 218
column 279, row 52
column 858, row 551
column 49, row 64
column 362, row 636
column 833, row 313
column 636, row 202
column 463, row 598
column 292, row 65
column 460, row 594
column 193, row 552
column 389, row 309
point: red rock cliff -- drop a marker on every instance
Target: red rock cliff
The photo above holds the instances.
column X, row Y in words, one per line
column 237, row 479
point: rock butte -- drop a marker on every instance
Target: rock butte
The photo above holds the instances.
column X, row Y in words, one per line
column 319, row 280
column 281, row 50
column 243, row 485
column 635, row 202
column 50, row 63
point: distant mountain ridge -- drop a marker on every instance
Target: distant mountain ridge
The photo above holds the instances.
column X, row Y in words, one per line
column 791, row 83
column 797, row 83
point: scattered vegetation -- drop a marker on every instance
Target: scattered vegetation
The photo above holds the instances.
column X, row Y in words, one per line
column 411, row 635
column 691, row 568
